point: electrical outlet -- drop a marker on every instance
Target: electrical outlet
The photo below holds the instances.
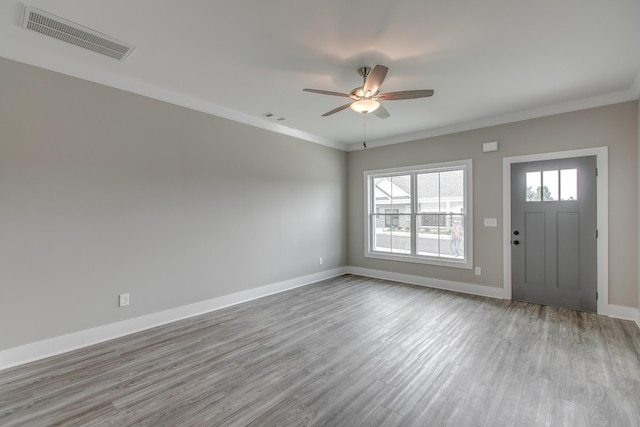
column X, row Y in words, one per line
column 478, row 271
column 123, row 299
column 321, row 261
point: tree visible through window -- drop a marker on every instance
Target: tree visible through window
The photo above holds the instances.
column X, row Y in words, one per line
column 420, row 214
column 549, row 186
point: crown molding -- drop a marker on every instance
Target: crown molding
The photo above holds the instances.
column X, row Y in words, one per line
column 105, row 78
column 630, row 94
column 94, row 75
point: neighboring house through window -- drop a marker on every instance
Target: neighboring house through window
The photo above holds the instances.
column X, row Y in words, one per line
column 391, row 218
column 421, row 214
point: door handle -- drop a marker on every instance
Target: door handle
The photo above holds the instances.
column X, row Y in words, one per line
column 516, row 242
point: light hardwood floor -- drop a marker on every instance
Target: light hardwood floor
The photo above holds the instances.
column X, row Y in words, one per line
column 348, row 351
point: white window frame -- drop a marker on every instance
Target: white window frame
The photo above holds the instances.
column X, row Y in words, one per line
column 467, row 167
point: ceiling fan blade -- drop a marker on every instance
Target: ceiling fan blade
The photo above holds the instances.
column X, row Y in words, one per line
column 375, row 79
column 336, row 110
column 405, row 94
column 327, row 92
column 381, row 112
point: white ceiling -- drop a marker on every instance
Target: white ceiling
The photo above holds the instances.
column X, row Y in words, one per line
column 489, row 62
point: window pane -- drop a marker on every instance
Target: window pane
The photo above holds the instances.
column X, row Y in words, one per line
column 431, row 220
column 427, row 239
column 441, row 235
column 452, row 237
column 391, row 220
column 550, row 185
column 401, row 191
column 428, row 192
column 392, row 194
column 381, row 234
column 401, row 235
column 392, row 233
column 444, row 242
column 451, row 191
column 569, row 184
column 533, row 187
column 381, row 192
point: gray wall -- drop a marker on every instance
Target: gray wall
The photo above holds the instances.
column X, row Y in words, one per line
column 104, row 192
column 614, row 126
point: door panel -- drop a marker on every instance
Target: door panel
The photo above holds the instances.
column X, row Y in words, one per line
column 553, row 217
column 534, row 248
column 568, row 243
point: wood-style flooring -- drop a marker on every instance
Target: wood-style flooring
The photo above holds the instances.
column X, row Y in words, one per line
column 349, row 351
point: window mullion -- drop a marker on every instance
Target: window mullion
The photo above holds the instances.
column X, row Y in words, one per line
column 372, row 213
column 438, row 217
column 414, row 209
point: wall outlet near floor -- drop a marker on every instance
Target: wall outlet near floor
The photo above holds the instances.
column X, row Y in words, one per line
column 321, row 261
column 478, row 271
column 123, row 299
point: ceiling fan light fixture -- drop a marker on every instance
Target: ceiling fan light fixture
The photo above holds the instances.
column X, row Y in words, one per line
column 365, row 106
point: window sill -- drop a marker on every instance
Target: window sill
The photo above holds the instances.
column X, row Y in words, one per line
column 453, row 262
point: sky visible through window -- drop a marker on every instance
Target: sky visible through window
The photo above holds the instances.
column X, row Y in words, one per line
column 552, row 185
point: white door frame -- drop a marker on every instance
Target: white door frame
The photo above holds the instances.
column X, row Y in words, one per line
column 602, row 163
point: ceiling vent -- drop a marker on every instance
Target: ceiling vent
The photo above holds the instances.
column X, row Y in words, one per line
column 53, row 26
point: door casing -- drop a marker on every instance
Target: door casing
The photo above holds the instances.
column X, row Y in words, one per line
column 602, row 208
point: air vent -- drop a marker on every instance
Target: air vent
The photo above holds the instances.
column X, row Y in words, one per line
column 53, row 26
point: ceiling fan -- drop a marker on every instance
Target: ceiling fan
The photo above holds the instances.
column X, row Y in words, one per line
column 366, row 99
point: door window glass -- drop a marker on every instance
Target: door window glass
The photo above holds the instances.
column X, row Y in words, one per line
column 549, row 185
column 552, row 185
column 534, row 182
column 569, row 184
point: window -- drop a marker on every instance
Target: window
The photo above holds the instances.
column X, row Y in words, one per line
column 549, row 186
column 420, row 214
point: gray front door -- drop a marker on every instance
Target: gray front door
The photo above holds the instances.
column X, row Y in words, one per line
column 553, row 232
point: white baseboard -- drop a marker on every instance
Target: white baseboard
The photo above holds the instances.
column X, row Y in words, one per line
column 62, row 344
column 620, row 312
column 467, row 288
column 616, row 311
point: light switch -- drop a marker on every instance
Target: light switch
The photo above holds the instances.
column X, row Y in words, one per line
column 491, row 222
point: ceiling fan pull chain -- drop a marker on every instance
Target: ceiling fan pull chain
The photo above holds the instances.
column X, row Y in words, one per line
column 364, row 130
